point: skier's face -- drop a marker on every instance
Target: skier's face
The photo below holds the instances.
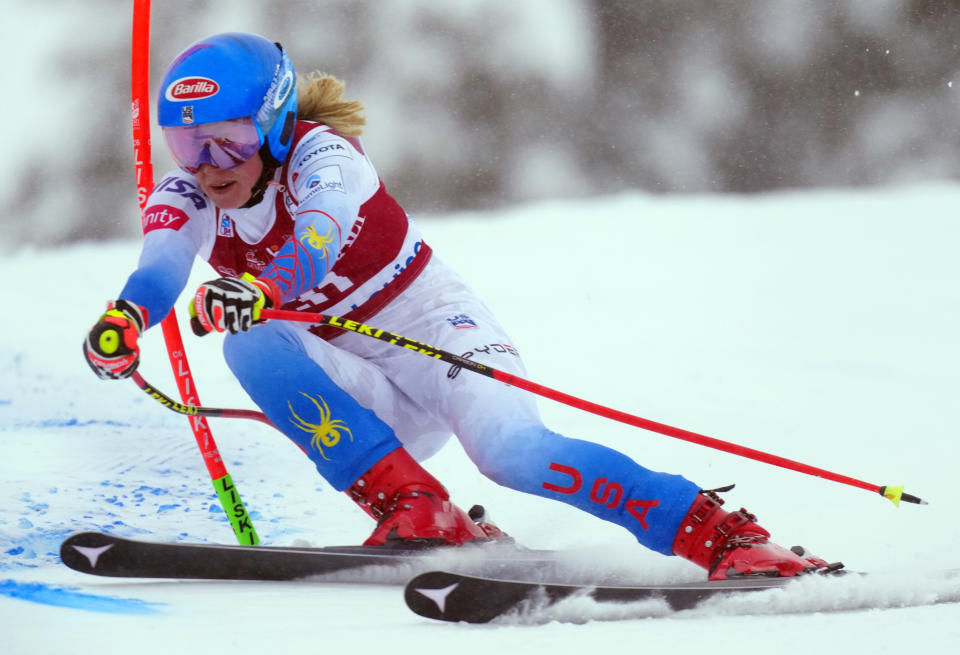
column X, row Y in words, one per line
column 230, row 188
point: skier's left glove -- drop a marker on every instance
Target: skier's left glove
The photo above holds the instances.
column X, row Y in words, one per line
column 111, row 347
column 230, row 303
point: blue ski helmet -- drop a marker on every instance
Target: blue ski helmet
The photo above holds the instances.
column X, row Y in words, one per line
column 233, row 75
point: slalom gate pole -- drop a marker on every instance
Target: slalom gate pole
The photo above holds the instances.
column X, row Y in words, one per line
column 894, row 494
column 227, row 492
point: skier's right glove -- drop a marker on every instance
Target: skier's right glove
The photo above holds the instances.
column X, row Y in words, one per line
column 111, row 347
column 230, row 303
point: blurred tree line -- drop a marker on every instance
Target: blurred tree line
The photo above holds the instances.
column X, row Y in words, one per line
column 481, row 103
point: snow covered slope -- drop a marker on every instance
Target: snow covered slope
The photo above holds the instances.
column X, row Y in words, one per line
column 819, row 326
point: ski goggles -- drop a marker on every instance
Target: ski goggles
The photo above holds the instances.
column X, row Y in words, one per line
column 224, row 144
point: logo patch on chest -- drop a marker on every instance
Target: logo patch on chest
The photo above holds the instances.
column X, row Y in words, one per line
column 225, row 228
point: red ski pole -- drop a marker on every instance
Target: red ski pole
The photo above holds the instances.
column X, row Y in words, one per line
column 227, row 492
column 894, row 494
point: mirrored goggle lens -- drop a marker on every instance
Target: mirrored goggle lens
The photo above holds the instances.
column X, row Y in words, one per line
column 224, row 144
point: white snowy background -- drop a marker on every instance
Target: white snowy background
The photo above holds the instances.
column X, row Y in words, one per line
column 819, row 326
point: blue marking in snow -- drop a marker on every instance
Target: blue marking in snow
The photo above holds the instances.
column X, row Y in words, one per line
column 155, row 491
column 70, row 423
column 37, row 592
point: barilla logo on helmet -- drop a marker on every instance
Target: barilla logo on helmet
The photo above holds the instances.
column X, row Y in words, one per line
column 191, row 88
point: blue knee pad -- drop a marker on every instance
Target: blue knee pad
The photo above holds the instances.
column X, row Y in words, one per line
column 591, row 477
column 342, row 438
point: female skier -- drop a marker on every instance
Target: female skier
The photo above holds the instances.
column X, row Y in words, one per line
column 277, row 193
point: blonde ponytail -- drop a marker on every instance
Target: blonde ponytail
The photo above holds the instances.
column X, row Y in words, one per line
column 320, row 99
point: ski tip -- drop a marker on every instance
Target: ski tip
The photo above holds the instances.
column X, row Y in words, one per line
column 896, row 494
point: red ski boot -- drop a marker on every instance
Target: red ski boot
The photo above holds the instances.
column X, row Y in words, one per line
column 412, row 507
column 730, row 544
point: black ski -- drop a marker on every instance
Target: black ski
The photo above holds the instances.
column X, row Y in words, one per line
column 456, row 597
column 102, row 554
